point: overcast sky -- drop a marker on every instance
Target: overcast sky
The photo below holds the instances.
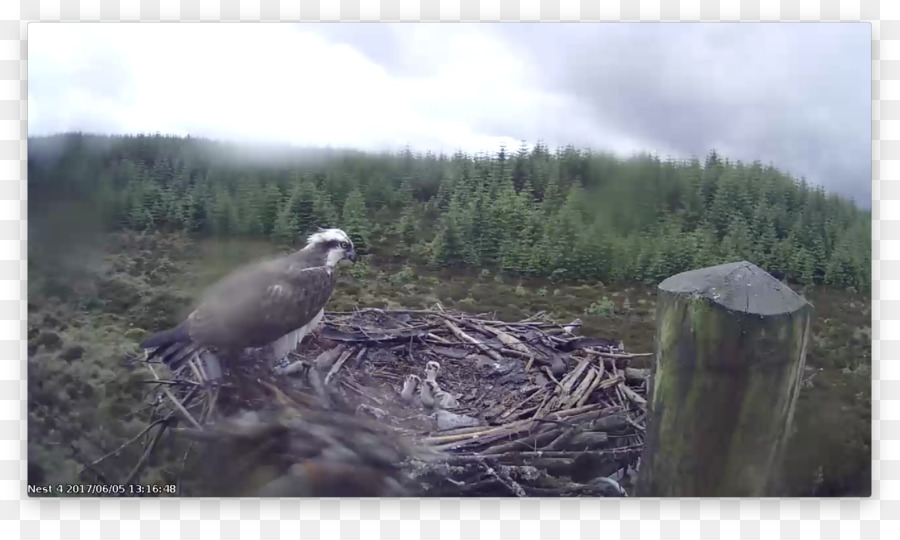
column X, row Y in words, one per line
column 794, row 94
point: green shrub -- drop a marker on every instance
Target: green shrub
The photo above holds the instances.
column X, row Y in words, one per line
column 604, row 308
column 405, row 275
column 360, row 270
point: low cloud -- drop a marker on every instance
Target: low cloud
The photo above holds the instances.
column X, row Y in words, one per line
column 796, row 95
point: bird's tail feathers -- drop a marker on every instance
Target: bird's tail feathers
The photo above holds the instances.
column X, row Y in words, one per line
column 166, row 337
column 172, row 347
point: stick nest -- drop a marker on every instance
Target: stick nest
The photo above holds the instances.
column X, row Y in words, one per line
column 530, row 408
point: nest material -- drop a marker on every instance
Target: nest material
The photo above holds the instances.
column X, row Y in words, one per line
column 539, row 411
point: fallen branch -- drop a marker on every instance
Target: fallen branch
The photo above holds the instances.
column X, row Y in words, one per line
column 523, row 456
column 632, row 396
column 337, row 365
column 484, row 348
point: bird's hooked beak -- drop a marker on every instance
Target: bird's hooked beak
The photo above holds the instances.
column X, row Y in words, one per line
column 351, row 255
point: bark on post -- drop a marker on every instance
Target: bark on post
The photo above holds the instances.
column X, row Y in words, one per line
column 730, row 349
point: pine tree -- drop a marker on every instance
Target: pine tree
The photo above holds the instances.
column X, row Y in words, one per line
column 520, row 174
column 249, row 209
column 842, row 268
column 302, row 204
column 447, row 247
column 407, row 227
column 803, row 266
column 222, row 213
column 706, row 248
column 737, row 244
column 285, row 228
column 269, row 207
column 355, row 222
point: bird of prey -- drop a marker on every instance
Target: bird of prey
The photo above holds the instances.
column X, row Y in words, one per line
column 432, row 396
column 270, row 305
column 426, row 393
column 409, row 387
column 442, row 398
column 572, row 326
column 432, row 369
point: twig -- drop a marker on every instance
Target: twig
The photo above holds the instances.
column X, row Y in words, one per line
column 594, row 384
column 634, row 424
column 512, row 409
column 183, row 463
column 586, row 384
column 181, row 408
column 177, row 403
column 87, row 466
column 359, row 391
column 528, row 364
column 537, row 315
column 504, row 338
column 133, row 439
column 462, row 335
column 518, row 354
column 280, row 396
column 146, row 455
column 562, row 439
column 326, row 358
column 505, row 479
column 359, row 356
column 632, row 395
column 179, row 382
column 513, row 456
column 196, row 366
column 337, row 365
column 636, row 375
column 549, row 373
column 530, row 442
column 569, row 380
column 210, row 410
column 438, row 338
column 617, row 355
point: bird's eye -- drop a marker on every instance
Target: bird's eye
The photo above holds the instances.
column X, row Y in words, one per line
column 345, row 245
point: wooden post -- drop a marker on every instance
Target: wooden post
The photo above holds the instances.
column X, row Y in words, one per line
column 730, row 349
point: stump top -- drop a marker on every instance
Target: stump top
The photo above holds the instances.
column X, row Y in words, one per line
column 740, row 286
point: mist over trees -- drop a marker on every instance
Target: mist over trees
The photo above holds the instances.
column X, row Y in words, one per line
column 561, row 214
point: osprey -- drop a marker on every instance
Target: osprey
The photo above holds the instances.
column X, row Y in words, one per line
column 271, row 305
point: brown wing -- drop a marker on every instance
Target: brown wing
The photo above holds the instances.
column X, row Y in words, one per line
column 258, row 305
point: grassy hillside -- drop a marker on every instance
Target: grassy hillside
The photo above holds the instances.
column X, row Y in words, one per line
column 79, row 392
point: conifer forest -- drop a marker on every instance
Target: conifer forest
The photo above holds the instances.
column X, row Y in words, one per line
column 125, row 231
column 562, row 214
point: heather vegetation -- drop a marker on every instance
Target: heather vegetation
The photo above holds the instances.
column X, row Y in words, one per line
column 125, row 232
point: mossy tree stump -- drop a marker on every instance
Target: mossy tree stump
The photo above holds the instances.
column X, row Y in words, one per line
column 730, row 349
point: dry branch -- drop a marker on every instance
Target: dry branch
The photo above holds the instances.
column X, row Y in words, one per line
column 484, row 348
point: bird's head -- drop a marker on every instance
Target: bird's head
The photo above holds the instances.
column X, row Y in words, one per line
column 334, row 243
column 431, row 370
